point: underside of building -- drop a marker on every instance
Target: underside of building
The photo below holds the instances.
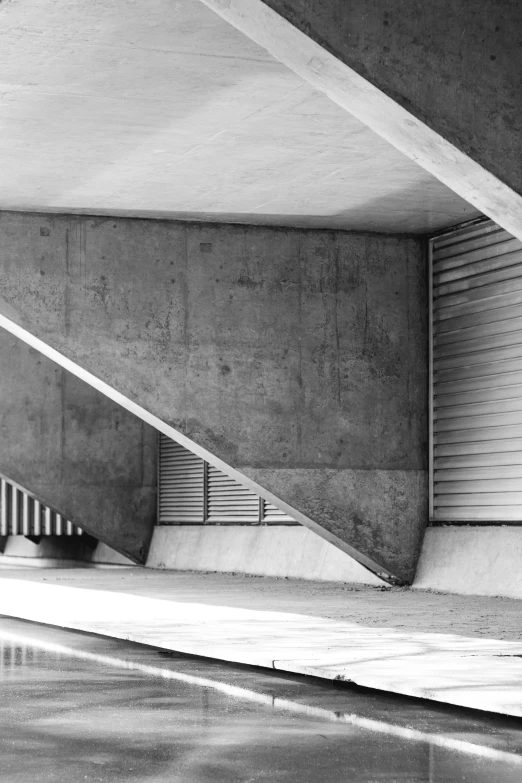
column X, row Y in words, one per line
column 261, row 288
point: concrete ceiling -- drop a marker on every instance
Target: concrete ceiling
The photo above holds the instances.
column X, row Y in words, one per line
column 161, row 109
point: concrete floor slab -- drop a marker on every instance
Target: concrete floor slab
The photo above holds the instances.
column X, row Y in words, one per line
column 459, row 650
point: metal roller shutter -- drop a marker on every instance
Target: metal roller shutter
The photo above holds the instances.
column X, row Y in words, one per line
column 191, row 491
column 476, row 375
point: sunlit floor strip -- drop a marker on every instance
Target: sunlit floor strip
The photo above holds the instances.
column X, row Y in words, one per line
column 448, row 743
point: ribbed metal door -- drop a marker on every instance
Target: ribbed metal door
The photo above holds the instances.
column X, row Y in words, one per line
column 191, row 491
column 476, row 375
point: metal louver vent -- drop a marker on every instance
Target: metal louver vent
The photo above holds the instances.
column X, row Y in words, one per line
column 181, row 495
column 21, row 514
column 273, row 514
column 476, row 376
column 191, row 491
column 229, row 501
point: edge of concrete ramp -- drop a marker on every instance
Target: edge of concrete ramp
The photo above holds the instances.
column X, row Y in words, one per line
column 333, row 631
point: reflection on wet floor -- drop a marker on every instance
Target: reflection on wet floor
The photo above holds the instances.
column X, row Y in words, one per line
column 77, row 707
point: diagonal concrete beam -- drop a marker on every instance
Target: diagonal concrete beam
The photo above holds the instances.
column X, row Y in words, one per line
column 14, row 328
column 374, row 108
column 298, row 358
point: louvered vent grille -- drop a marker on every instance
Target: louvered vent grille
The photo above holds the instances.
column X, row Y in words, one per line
column 181, row 473
column 274, row 515
column 229, row 501
column 477, row 376
column 191, row 491
column 21, row 514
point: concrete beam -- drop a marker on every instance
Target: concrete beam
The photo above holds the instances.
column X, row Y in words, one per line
column 407, row 129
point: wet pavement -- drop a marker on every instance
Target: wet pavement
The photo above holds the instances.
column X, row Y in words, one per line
column 79, row 707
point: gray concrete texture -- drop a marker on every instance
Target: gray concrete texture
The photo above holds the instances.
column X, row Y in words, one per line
column 76, row 450
column 296, row 356
column 162, row 109
column 456, row 66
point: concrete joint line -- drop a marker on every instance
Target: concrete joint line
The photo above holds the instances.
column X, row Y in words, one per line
column 375, row 109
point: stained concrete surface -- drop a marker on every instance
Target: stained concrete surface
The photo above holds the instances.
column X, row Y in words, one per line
column 290, row 551
column 455, row 65
column 297, row 357
column 76, row 451
column 471, row 560
column 76, row 706
column 451, row 649
column 163, row 109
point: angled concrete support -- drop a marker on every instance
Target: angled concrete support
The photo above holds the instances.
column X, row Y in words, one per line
column 294, row 360
column 76, row 450
column 439, row 82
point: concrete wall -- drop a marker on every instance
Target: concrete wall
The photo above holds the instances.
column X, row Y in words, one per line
column 297, row 357
column 270, row 550
column 76, row 450
column 455, row 65
column 282, row 551
column 472, row 560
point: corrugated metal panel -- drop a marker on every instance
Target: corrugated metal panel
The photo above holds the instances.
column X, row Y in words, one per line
column 191, row 491
column 476, row 376
column 21, row 514
column 228, row 501
column 181, row 484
